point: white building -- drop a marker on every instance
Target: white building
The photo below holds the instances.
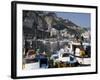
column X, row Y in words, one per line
column 86, row 34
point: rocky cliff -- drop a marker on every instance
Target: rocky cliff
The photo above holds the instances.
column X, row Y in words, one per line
column 39, row 23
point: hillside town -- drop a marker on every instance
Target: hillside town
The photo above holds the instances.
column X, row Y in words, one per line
column 49, row 41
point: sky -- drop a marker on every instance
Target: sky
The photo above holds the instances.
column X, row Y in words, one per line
column 80, row 19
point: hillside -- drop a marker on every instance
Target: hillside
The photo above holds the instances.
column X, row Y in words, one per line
column 43, row 22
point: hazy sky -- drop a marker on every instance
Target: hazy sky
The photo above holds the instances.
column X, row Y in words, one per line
column 81, row 19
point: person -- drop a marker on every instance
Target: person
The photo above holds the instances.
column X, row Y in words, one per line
column 82, row 54
column 43, row 60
